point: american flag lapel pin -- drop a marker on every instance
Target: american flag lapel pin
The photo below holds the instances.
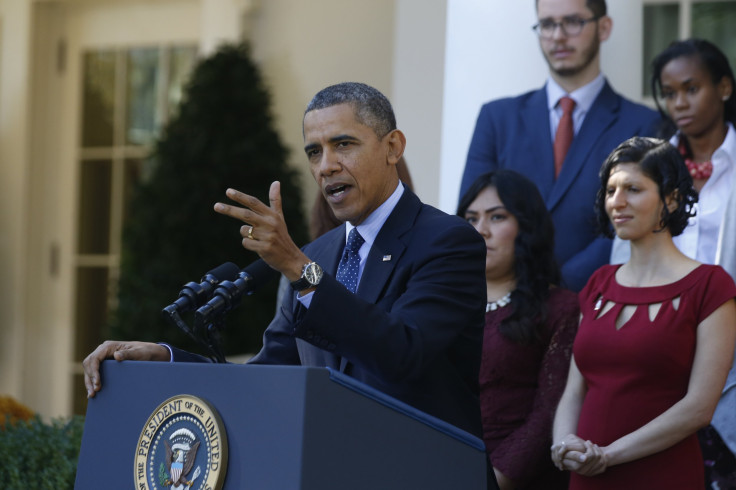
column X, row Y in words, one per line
column 386, row 258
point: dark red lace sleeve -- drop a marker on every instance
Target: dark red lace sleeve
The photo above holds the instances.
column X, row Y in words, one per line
column 525, row 452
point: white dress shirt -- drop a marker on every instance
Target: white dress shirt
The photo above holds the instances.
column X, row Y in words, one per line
column 583, row 97
column 699, row 240
column 368, row 229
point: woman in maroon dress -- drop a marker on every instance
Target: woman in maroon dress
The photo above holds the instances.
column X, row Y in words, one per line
column 655, row 341
column 530, row 327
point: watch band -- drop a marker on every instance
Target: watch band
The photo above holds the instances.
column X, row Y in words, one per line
column 300, row 284
column 311, row 277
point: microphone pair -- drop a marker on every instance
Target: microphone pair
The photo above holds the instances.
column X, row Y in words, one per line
column 220, row 290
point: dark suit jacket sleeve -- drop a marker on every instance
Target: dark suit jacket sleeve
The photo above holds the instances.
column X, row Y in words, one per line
column 482, row 152
column 435, row 297
column 279, row 343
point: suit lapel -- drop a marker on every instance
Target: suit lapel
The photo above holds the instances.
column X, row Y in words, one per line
column 540, row 163
column 387, row 250
column 328, row 253
column 603, row 113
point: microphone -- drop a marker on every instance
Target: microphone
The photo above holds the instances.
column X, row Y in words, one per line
column 194, row 295
column 229, row 293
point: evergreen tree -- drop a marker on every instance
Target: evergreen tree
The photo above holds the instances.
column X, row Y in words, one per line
column 222, row 137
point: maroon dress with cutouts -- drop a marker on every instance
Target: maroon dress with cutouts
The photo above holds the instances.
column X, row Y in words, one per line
column 639, row 370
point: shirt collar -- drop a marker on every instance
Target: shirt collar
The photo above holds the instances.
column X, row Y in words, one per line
column 728, row 147
column 724, row 154
column 583, row 97
column 370, row 227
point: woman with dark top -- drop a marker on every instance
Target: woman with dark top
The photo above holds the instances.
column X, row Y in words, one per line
column 655, row 341
column 694, row 84
column 530, row 327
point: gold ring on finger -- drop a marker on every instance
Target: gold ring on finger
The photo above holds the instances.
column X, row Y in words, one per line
column 250, row 233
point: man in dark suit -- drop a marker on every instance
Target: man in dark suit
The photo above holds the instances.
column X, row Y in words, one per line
column 519, row 133
column 413, row 327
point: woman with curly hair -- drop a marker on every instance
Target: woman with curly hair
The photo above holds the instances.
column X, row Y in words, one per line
column 529, row 330
column 656, row 336
column 694, row 87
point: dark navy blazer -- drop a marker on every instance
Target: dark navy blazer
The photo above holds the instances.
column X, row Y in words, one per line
column 514, row 133
column 413, row 329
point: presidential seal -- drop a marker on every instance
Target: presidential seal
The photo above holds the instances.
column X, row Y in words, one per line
column 182, row 446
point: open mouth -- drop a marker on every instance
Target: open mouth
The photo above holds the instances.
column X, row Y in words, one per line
column 336, row 191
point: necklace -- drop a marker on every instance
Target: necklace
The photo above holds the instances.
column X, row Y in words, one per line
column 698, row 170
column 499, row 303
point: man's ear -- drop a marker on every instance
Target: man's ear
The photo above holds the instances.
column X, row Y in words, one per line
column 605, row 26
column 396, row 143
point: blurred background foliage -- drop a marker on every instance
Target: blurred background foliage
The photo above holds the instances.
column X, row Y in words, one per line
column 222, row 136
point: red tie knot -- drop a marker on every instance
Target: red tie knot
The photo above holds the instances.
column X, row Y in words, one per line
column 567, row 104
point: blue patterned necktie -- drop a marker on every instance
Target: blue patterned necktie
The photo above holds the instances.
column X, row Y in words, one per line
column 347, row 270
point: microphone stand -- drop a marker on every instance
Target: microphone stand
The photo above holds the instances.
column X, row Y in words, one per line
column 209, row 338
column 212, row 339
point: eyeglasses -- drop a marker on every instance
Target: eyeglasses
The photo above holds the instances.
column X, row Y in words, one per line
column 571, row 26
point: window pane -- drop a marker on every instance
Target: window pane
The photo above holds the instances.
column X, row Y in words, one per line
column 94, row 207
column 91, row 317
column 660, row 29
column 91, row 309
column 98, row 98
column 715, row 22
column 180, row 67
column 141, row 83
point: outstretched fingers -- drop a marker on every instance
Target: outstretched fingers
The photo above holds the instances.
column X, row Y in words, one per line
column 274, row 197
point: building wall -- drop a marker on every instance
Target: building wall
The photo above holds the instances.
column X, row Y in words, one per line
column 15, row 19
column 303, row 47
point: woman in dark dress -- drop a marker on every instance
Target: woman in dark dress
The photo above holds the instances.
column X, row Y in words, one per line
column 655, row 341
column 530, row 327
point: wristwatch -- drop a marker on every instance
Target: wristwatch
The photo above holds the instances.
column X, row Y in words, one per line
column 311, row 276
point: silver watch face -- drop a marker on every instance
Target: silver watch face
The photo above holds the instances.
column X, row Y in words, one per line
column 312, row 273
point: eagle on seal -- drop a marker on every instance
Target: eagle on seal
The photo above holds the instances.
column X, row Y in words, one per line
column 180, row 463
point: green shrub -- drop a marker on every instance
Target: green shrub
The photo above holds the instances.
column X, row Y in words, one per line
column 39, row 455
column 221, row 136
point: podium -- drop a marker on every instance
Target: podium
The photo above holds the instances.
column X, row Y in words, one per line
column 287, row 427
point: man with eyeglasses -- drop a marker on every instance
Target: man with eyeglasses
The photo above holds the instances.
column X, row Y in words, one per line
column 559, row 135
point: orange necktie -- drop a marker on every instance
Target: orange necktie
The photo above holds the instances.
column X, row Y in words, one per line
column 564, row 134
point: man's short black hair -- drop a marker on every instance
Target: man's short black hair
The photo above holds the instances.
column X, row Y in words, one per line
column 371, row 107
column 598, row 7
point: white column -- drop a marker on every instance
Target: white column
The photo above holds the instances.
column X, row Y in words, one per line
column 418, row 88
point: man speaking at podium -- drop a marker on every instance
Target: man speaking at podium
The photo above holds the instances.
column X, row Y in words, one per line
column 394, row 298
